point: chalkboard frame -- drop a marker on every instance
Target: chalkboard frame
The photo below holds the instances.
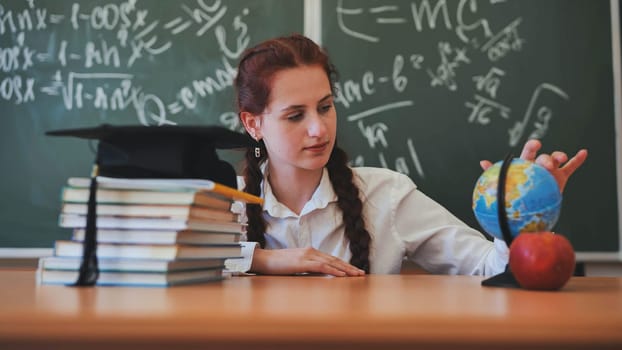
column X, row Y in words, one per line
column 85, row 63
column 312, row 28
column 595, row 255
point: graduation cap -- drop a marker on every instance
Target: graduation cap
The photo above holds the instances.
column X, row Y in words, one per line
column 152, row 152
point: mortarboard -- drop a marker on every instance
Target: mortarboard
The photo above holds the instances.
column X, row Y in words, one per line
column 152, row 152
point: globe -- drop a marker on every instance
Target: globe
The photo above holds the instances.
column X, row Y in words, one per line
column 532, row 199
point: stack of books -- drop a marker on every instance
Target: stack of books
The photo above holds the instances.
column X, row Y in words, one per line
column 150, row 232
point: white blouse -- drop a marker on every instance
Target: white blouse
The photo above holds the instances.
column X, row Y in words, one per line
column 402, row 221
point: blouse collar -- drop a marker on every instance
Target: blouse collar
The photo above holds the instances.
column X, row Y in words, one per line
column 323, row 195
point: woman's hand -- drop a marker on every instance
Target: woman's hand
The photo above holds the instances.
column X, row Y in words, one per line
column 557, row 163
column 300, row 260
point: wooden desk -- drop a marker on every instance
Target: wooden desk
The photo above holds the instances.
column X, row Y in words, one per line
column 262, row 312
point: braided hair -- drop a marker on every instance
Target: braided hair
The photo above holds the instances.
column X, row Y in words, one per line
column 256, row 68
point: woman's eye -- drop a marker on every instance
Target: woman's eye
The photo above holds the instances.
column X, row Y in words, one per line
column 295, row 117
column 325, row 108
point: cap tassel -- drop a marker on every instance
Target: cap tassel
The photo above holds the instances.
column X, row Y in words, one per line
column 89, row 271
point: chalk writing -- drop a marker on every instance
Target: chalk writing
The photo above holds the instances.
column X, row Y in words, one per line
column 401, row 162
column 463, row 27
column 242, row 40
column 416, row 61
column 17, row 88
column 505, row 41
column 451, row 60
column 424, row 11
column 97, row 71
column 374, row 133
column 378, row 13
column 104, row 57
column 231, row 121
column 350, row 91
column 490, row 82
column 426, row 87
column 25, row 20
column 424, row 16
column 379, row 109
column 483, row 106
column 204, row 17
column 543, row 114
column 16, row 57
column 460, row 49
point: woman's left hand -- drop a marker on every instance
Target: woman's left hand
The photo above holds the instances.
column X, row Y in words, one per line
column 557, row 163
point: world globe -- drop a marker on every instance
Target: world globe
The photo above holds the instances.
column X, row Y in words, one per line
column 532, row 199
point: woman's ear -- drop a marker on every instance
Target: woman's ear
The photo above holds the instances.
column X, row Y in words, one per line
column 252, row 124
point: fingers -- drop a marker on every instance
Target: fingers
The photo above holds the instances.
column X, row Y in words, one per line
column 546, row 161
column 559, row 158
column 328, row 264
column 485, row 164
column 560, row 167
column 575, row 162
column 529, row 152
column 530, row 149
column 557, row 163
column 318, row 267
column 300, row 260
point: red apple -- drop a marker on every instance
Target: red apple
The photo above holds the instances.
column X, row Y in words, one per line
column 541, row 260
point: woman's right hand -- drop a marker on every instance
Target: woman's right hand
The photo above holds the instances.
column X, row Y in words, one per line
column 557, row 163
column 300, row 260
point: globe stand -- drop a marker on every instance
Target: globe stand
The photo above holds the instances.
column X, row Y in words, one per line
column 506, row 278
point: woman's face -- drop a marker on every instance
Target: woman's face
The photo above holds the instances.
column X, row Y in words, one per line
column 299, row 123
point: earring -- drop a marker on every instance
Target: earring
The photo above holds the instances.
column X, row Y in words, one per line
column 257, row 152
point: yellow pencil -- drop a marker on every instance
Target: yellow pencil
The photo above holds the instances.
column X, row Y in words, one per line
column 240, row 195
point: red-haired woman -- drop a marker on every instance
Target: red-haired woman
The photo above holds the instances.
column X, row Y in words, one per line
column 322, row 216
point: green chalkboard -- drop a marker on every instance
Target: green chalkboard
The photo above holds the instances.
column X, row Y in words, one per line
column 67, row 64
column 431, row 87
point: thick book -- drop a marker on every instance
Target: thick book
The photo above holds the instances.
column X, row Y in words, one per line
column 148, row 184
column 170, row 197
column 153, row 210
column 135, row 265
column 113, row 222
column 151, row 251
column 159, row 236
column 146, row 279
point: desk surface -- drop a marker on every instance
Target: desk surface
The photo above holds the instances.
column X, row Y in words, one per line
column 388, row 311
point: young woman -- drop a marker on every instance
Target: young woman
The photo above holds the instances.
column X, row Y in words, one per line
column 320, row 215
